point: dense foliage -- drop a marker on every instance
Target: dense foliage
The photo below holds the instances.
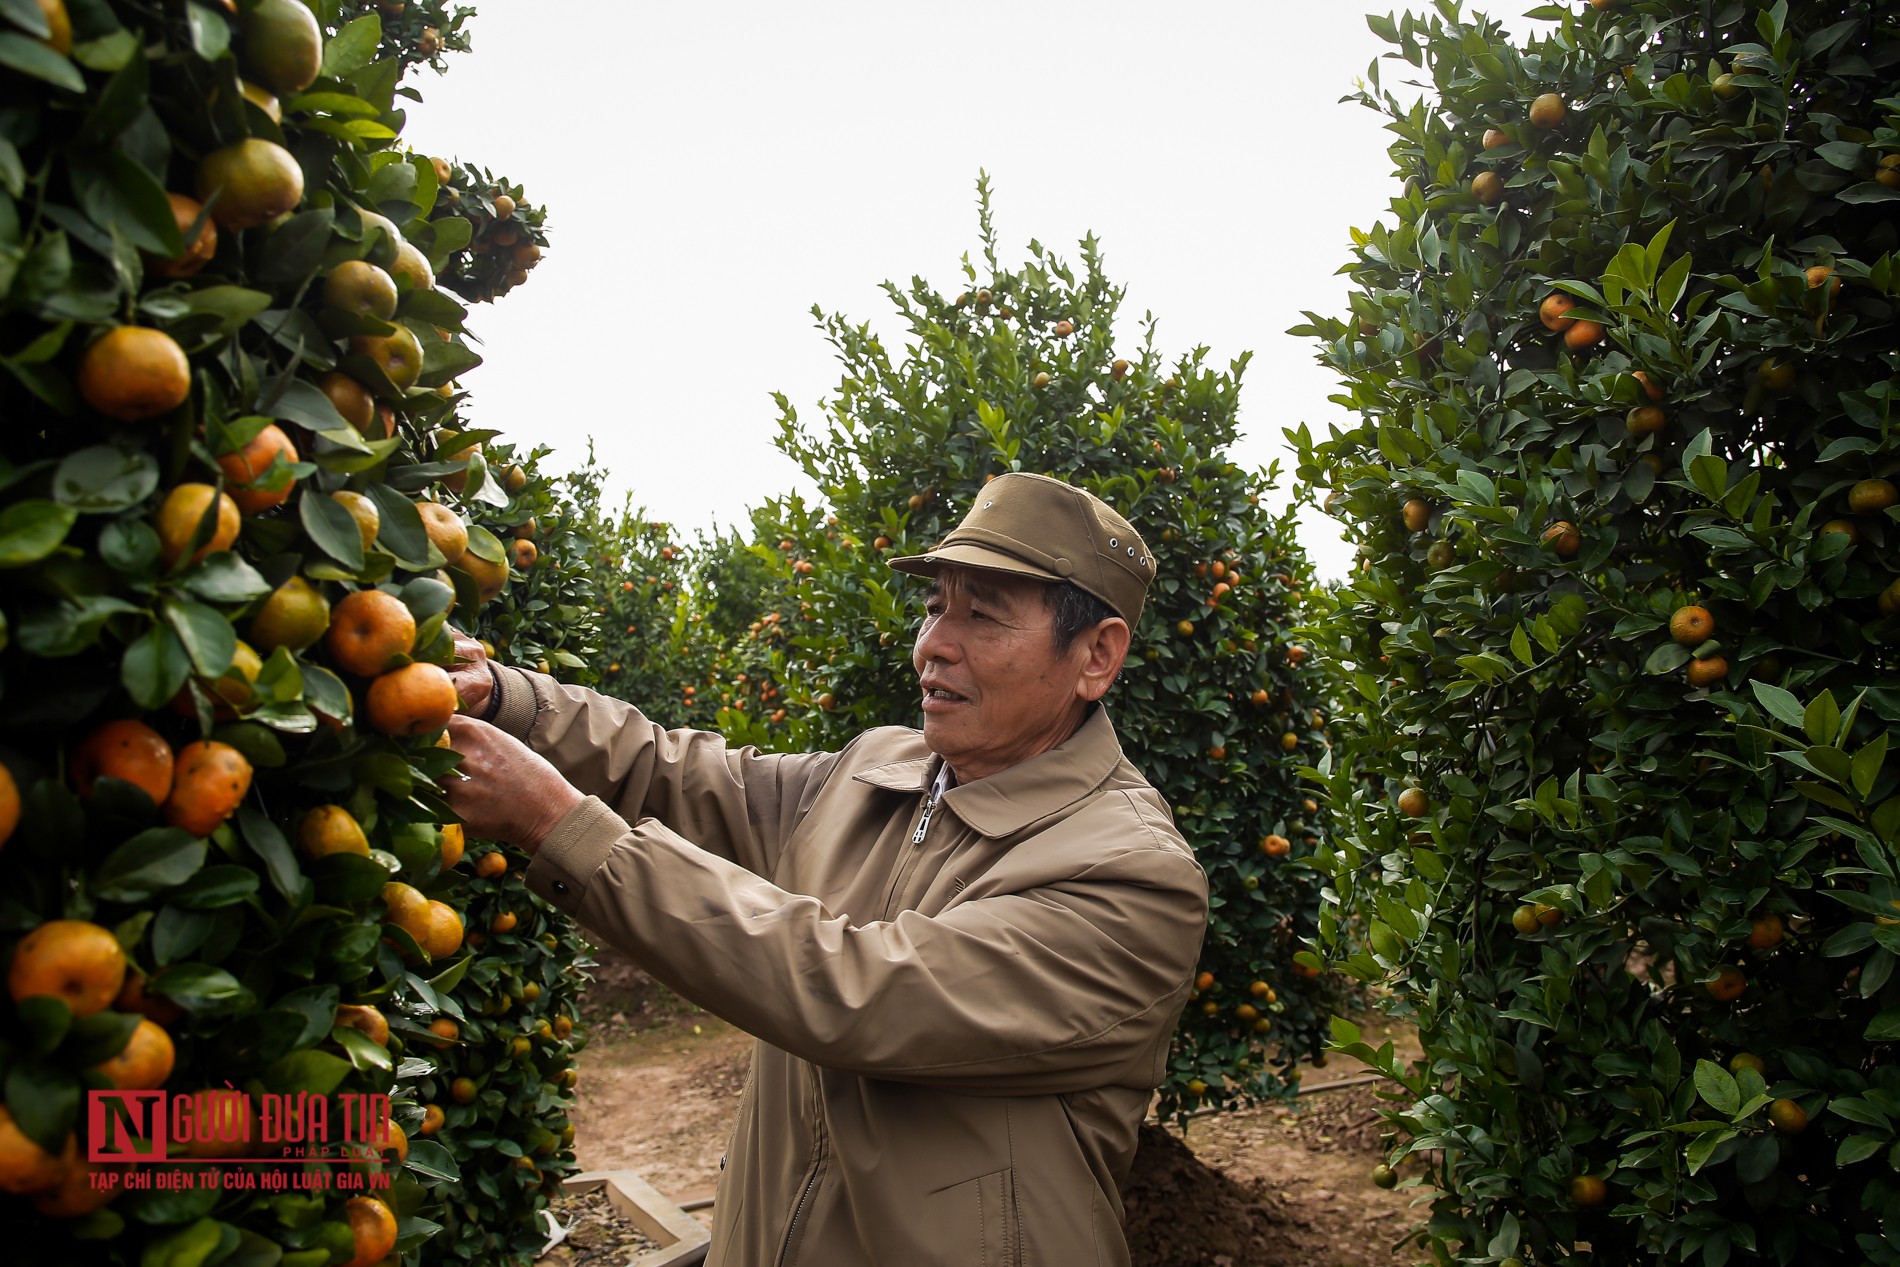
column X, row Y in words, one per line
column 237, row 512
column 1614, row 811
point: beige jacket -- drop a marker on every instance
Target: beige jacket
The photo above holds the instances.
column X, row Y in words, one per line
column 961, row 1018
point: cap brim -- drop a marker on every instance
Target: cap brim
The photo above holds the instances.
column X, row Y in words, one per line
column 968, row 555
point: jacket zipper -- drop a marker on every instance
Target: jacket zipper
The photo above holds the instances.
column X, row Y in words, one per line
column 905, row 867
column 785, row 1257
column 791, row 1229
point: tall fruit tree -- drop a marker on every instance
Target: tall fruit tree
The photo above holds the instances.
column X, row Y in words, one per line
column 1616, row 816
column 235, row 517
column 1023, row 369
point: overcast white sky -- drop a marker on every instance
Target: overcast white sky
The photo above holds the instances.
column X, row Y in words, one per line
column 713, row 170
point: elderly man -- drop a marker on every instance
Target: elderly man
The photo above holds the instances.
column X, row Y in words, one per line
column 962, row 951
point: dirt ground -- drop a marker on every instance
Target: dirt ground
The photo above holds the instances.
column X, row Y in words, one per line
column 1279, row 1185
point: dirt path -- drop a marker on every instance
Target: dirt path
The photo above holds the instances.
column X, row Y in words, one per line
column 1278, row 1185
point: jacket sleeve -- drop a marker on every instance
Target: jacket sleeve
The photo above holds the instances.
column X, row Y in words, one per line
column 740, row 803
column 1055, row 989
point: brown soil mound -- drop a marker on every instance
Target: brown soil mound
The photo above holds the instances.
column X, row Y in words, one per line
column 1182, row 1212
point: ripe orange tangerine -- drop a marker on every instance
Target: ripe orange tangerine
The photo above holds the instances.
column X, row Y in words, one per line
column 1551, row 311
column 373, row 1228
column 248, row 465
column 416, row 699
column 367, row 630
column 1707, row 671
column 127, row 750
column 211, row 782
column 1692, row 626
column 133, row 373
column 180, row 514
column 1728, row 984
column 73, row 960
column 145, row 1061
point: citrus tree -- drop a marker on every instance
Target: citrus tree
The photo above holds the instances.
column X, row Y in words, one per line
column 1613, row 812
column 1022, row 369
column 237, row 515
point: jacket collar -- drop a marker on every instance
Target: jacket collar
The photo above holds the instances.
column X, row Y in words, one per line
column 1027, row 792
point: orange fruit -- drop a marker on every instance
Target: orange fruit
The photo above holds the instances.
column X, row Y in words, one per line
column 1646, row 420
column 371, row 1223
column 1416, row 515
column 1651, row 388
column 253, row 182
column 1563, row 538
column 445, row 1030
column 1204, row 982
column 283, row 46
column 359, row 287
column 1487, row 188
column 263, row 98
column 411, row 267
column 294, row 616
column 1728, row 984
column 367, row 1020
column 25, row 1167
column 1775, row 374
column 248, row 465
column 1788, row 1117
column 1692, row 626
column 1524, row 920
column 446, row 531
column 1289, row 742
column 432, row 1119
column 1588, row 1190
column 398, row 354
column 1766, row 931
column 76, row 1195
column 454, row 844
column 1493, row 138
column 133, row 373
column 133, row 998
column 1551, row 311
column 490, row 865
column 1548, row 110
column 183, row 510
column 59, row 27
column 369, row 520
column 405, row 904
column 524, row 555
column 463, row 1090
column 211, row 782
column 1872, row 496
column 367, row 630
column 398, row 1143
column 69, row 959
column 490, row 578
column 444, row 934
column 413, row 700
column 145, row 1062
column 352, row 400
column 1707, row 671
column 1413, row 803
column 9, row 805
column 127, row 750
column 1845, row 527
column 1746, row 1060
column 199, row 246
column 504, row 922
column 232, row 692
column 329, row 829
column 1275, row 845
column 1583, row 334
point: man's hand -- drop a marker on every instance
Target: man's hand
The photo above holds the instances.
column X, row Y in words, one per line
column 474, row 681
column 508, row 792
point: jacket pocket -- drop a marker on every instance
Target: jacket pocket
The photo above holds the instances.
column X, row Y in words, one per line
column 973, row 1222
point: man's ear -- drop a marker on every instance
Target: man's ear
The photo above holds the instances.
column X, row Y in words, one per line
column 1107, row 645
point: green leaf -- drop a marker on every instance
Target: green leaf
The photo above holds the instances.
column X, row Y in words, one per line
column 332, row 529
column 353, row 47
column 1822, row 719
column 224, row 577
column 119, row 195
column 1867, row 763
column 190, row 1246
column 31, row 530
column 215, row 887
column 155, row 667
column 105, row 479
column 267, row 841
column 317, row 1072
column 1667, row 658
column 432, row 1161
column 27, row 14
column 1782, row 705
column 1884, row 1028
column 98, row 1038
column 208, row 637
column 1717, row 1087
column 363, row 1053
column 44, row 1101
column 401, row 532
column 199, row 987
column 324, row 691
column 30, row 57
column 44, row 1019
column 210, row 33
column 149, row 862
column 303, row 403
column 1857, row 1148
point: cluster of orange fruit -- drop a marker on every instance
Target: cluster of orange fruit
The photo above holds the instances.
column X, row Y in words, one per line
column 1547, row 112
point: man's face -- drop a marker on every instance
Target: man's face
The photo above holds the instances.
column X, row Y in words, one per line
column 996, row 690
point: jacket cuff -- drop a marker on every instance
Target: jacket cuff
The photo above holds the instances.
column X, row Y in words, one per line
column 514, row 706
column 565, row 864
